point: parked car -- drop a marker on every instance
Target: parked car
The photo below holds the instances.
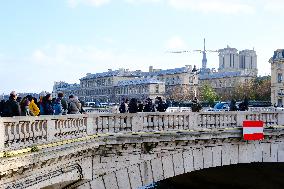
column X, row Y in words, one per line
column 221, row 106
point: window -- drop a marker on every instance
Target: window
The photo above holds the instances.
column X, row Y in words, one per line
column 157, row 88
column 280, row 77
column 230, row 60
column 279, row 103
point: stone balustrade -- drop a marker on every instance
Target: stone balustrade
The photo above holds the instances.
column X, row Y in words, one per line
column 22, row 132
column 98, row 110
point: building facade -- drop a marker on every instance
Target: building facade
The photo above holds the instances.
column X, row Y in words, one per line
column 178, row 84
column 232, row 60
column 235, row 67
column 225, row 82
column 277, row 72
column 140, row 89
column 100, row 87
column 67, row 89
column 112, row 86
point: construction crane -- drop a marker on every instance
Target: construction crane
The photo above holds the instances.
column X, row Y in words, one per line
column 204, row 59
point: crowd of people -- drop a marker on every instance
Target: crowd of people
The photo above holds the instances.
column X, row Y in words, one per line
column 46, row 105
column 134, row 105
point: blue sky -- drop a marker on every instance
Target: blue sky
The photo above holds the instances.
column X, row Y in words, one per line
column 62, row 40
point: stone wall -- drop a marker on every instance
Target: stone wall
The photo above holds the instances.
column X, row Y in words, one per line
column 128, row 150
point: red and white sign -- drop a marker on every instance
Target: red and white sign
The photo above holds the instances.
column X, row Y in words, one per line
column 253, row 130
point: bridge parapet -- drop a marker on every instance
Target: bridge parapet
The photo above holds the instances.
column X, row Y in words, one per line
column 23, row 132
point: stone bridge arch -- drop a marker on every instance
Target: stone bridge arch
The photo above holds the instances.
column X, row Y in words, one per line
column 163, row 166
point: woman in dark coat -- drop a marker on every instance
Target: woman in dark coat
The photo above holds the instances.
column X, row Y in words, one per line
column 47, row 105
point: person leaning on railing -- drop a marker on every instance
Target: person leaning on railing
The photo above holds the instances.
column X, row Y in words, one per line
column 32, row 106
column 74, row 105
column 11, row 106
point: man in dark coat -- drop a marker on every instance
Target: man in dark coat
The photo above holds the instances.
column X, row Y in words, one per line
column 12, row 107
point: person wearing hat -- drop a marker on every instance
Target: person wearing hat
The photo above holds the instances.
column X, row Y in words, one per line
column 12, row 107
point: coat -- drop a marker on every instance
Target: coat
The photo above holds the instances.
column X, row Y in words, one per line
column 74, row 106
column 33, row 108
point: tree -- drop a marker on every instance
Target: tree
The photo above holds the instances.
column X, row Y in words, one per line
column 258, row 89
column 208, row 94
column 263, row 88
column 180, row 93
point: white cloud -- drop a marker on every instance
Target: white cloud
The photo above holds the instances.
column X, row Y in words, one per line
column 275, row 6
column 94, row 3
column 216, row 6
column 142, row 1
column 175, row 42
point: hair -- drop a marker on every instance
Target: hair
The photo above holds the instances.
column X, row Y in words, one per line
column 60, row 94
column 47, row 96
column 71, row 96
column 13, row 94
column 29, row 97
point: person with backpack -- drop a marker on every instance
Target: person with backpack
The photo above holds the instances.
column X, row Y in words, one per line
column 57, row 107
column 12, row 107
column 74, row 106
column 64, row 104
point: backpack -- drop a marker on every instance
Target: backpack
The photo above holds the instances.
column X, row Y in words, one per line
column 57, row 107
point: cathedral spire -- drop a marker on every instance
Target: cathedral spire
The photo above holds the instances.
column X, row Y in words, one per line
column 204, row 59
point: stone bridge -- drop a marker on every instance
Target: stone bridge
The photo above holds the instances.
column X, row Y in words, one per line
column 121, row 151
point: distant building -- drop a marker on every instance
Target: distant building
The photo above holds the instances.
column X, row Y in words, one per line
column 178, row 80
column 66, row 88
column 232, row 60
column 178, row 83
column 234, row 68
column 112, row 86
column 100, row 86
column 277, row 72
column 141, row 89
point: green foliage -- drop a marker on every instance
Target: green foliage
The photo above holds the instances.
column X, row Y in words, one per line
column 257, row 89
column 34, row 149
column 208, row 94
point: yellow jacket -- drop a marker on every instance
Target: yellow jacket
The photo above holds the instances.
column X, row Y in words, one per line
column 33, row 108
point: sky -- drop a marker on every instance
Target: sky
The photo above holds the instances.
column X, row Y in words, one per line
column 62, row 40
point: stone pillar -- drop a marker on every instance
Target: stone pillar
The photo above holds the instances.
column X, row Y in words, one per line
column 137, row 123
column 241, row 116
column 2, row 135
column 280, row 118
column 194, row 120
column 90, row 125
column 51, row 130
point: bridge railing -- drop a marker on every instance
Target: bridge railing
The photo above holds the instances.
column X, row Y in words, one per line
column 21, row 132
